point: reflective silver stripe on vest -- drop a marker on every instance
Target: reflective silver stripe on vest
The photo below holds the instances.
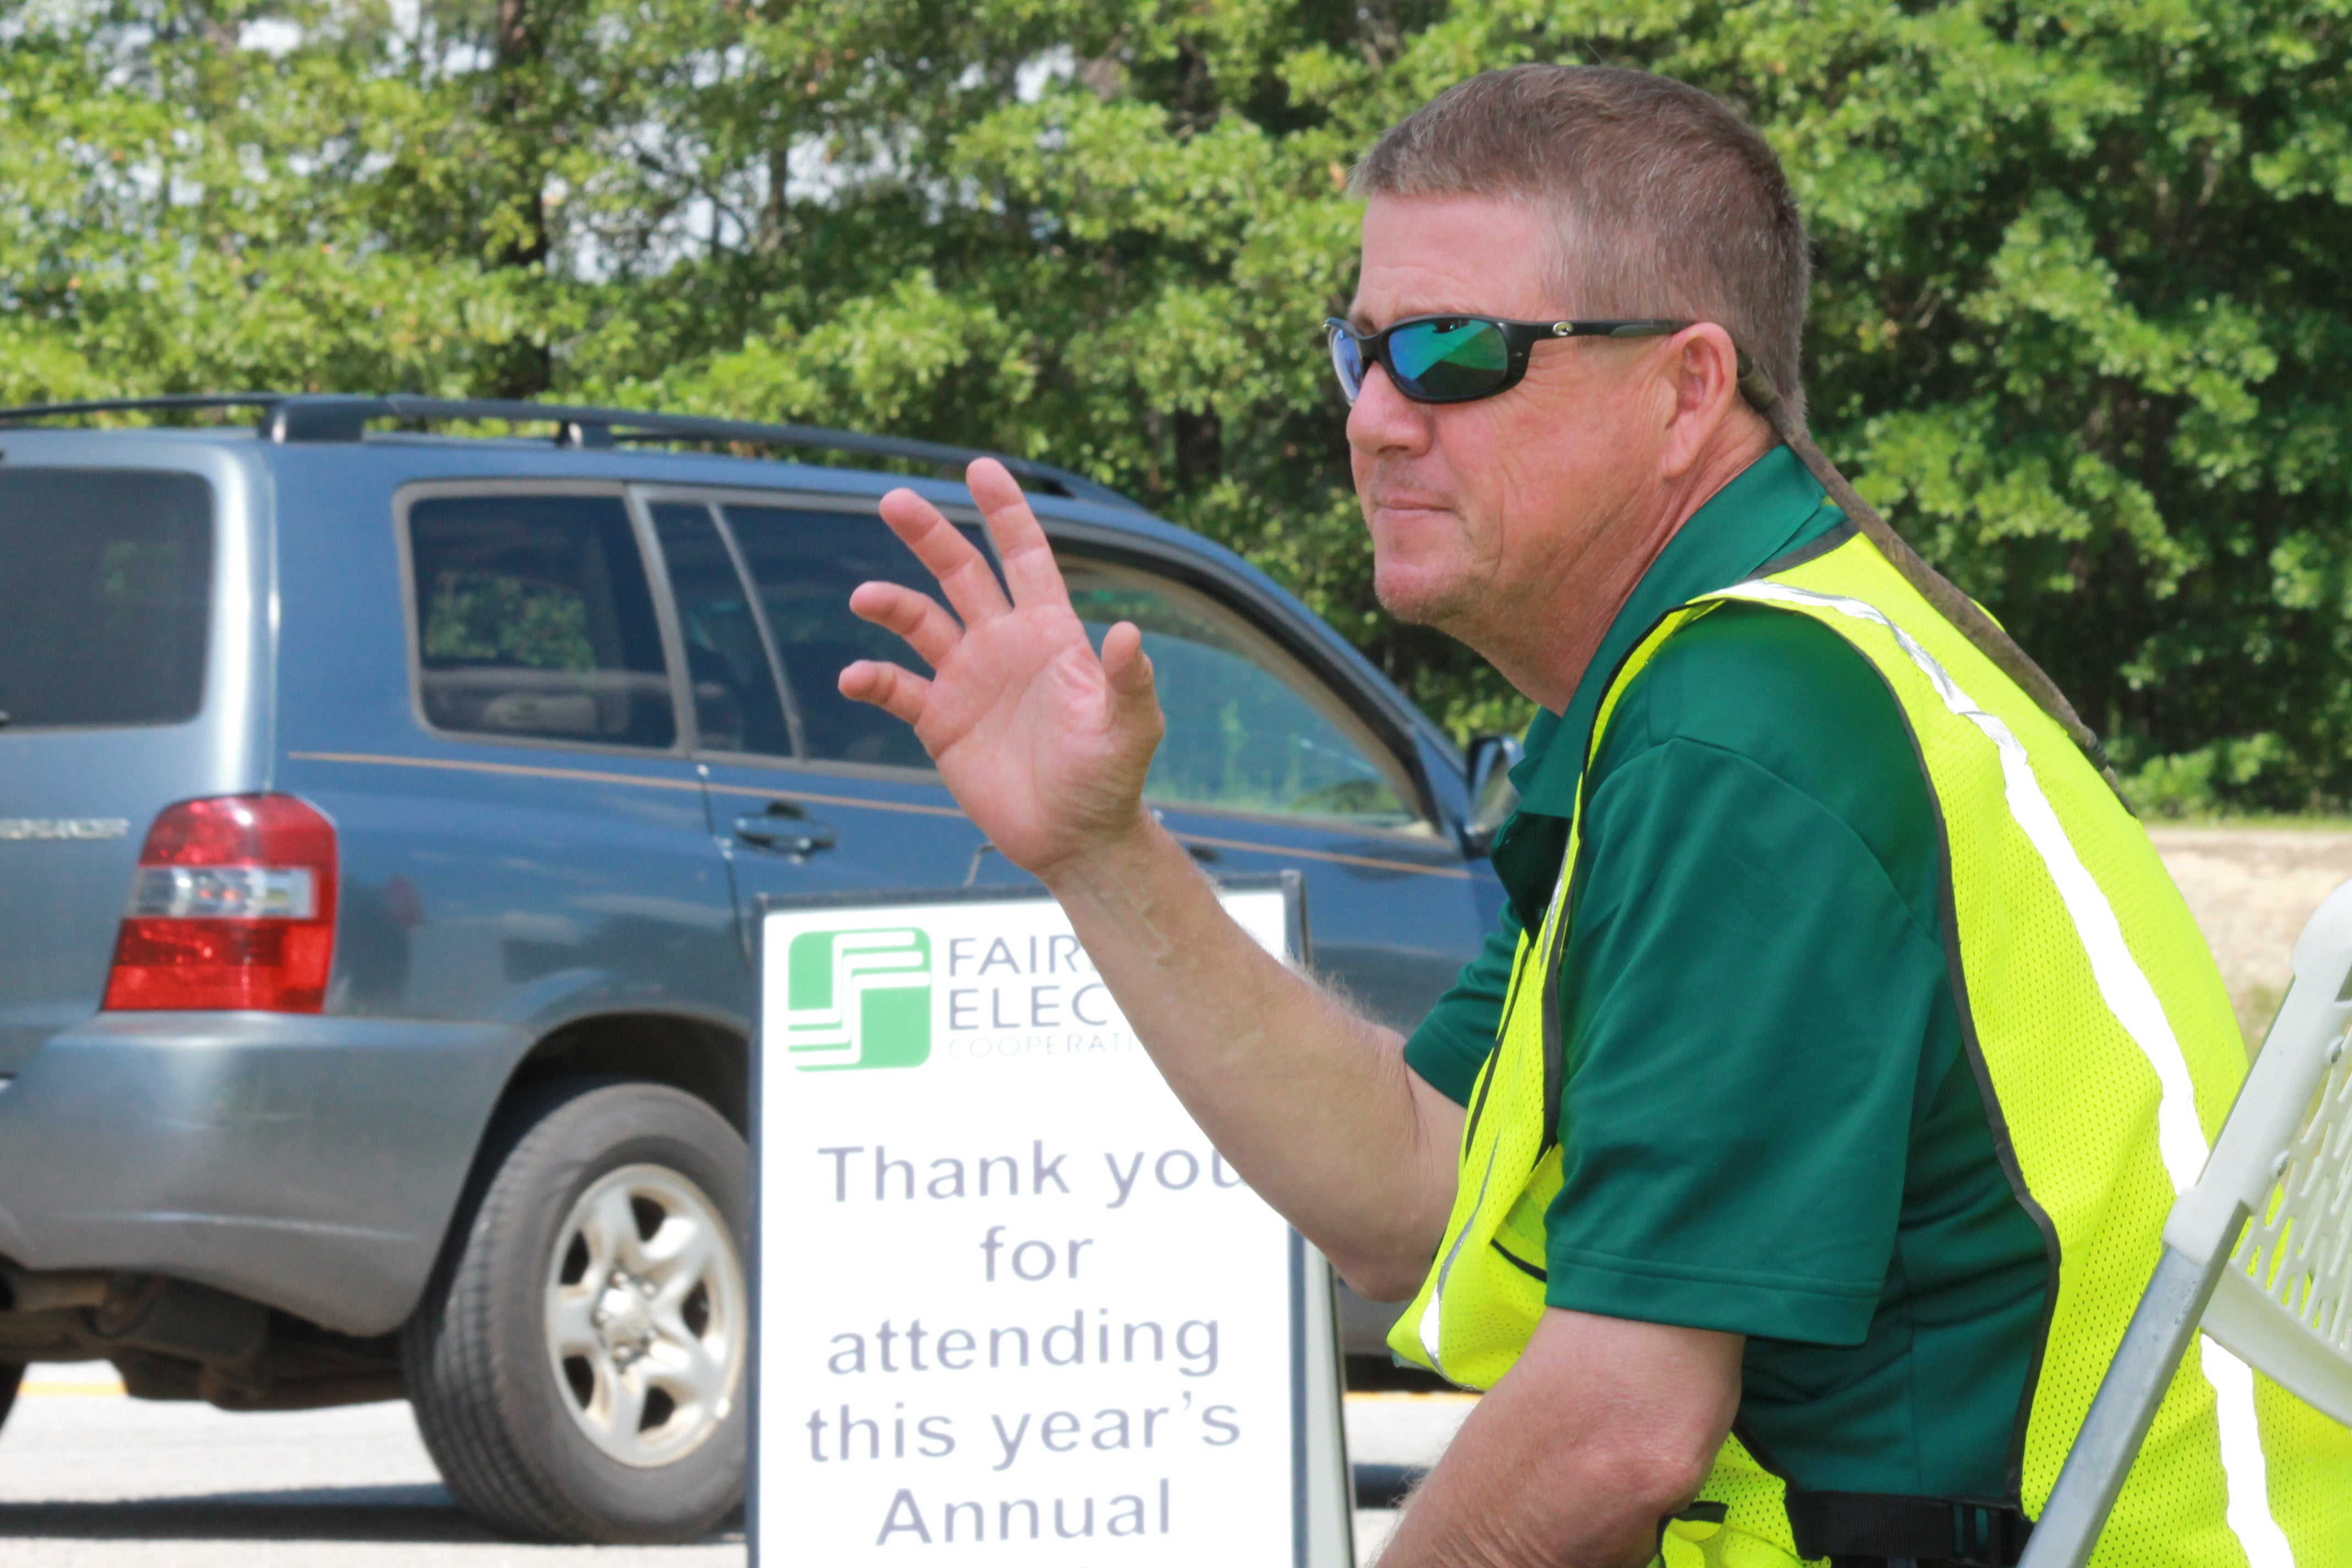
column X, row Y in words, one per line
column 2128, row 995
column 2181, row 1139
column 1431, row 1326
column 2242, row 1460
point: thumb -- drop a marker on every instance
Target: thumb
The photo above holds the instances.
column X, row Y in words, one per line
column 1135, row 705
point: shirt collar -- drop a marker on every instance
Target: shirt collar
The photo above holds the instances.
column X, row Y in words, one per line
column 1770, row 508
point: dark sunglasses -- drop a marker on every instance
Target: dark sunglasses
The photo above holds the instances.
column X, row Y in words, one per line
column 1459, row 359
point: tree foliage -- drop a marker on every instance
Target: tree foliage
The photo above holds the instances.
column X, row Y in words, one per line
column 2082, row 265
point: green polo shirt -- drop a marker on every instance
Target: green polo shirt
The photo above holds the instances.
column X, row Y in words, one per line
column 1768, row 1125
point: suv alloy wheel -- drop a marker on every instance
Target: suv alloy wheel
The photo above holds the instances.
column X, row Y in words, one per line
column 578, row 1365
column 646, row 1313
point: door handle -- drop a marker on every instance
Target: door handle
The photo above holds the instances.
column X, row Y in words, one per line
column 786, row 829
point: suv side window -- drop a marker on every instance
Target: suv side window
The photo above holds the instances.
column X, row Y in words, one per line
column 1249, row 728
column 805, row 562
column 106, row 597
column 736, row 707
column 533, row 618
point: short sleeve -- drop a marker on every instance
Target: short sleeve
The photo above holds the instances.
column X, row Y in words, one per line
column 1452, row 1042
column 1745, row 993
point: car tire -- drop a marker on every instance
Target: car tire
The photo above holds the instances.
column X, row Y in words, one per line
column 578, row 1365
column 11, row 1378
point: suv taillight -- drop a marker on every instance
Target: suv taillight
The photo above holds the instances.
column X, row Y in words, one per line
column 234, row 907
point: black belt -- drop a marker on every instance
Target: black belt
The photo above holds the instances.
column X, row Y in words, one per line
column 1865, row 1530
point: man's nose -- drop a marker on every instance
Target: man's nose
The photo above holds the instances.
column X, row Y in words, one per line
column 1384, row 419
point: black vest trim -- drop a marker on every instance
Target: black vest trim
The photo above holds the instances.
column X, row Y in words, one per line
column 1522, row 1264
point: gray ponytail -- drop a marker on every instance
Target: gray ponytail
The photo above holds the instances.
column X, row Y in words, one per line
column 1937, row 589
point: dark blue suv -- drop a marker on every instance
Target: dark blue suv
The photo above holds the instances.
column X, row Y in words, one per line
column 381, row 815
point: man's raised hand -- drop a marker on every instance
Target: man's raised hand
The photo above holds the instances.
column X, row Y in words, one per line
column 1042, row 742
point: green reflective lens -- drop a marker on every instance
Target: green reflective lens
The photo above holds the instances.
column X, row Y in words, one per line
column 1346, row 359
column 1448, row 360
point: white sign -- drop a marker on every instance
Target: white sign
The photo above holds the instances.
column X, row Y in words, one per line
column 1012, row 1306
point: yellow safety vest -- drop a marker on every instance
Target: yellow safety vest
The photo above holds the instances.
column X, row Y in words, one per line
column 2104, row 1043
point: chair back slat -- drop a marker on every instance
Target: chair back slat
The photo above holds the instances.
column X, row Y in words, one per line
column 2284, row 1303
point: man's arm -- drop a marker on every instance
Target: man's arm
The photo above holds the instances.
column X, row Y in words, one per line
column 1604, row 1427
column 1312, row 1103
column 1045, row 745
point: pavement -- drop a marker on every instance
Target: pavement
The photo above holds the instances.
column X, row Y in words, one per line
column 90, row 1478
column 1398, row 1429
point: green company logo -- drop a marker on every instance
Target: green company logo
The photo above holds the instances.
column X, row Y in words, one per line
column 858, row 999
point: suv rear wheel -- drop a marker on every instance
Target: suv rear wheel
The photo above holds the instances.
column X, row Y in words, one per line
column 578, row 1365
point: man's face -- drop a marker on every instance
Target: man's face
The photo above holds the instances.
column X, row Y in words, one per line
column 1480, row 513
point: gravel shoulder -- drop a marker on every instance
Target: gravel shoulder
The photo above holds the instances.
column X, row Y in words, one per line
column 2251, row 888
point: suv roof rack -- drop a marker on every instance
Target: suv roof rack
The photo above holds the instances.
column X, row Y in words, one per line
column 308, row 417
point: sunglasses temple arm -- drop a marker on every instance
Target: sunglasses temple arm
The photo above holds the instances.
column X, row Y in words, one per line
column 1947, row 600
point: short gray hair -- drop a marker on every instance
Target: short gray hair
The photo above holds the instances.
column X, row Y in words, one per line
column 1668, row 204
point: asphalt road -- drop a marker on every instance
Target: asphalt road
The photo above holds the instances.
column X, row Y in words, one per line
column 90, row 1478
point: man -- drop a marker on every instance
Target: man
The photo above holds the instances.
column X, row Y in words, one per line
column 1842, row 1044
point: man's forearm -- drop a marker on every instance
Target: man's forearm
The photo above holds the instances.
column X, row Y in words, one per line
column 1311, row 1102
column 1603, row 1428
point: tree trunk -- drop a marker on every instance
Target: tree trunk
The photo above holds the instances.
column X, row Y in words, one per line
column 524, row 365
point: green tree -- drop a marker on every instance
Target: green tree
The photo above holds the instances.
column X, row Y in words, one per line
column 2081, row 267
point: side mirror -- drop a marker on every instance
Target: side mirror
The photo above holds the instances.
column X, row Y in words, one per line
column 1493, row 796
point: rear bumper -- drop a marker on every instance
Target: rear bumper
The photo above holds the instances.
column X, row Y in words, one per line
column 308, row 1163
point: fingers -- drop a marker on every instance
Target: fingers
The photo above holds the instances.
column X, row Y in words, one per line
column 947, row 554
column 900, row 693
column 1021, row 545
column 1134, row 705
column 929, row 630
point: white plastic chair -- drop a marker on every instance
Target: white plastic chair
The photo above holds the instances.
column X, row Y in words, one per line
column 2258, row 1254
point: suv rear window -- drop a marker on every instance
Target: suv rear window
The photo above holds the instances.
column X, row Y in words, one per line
column 533, row 617
column 105, row 597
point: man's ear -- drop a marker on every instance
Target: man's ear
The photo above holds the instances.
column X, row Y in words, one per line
column 1702, row 370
